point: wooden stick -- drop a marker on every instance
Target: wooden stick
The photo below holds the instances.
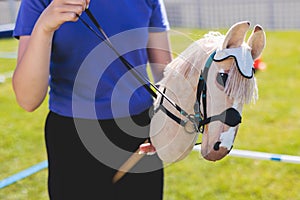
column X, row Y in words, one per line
column 132, row 160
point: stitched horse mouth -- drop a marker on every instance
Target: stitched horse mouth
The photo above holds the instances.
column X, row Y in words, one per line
column 215, row 155
column 223, row 145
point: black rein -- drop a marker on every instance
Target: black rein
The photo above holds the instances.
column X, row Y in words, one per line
column 198, row 120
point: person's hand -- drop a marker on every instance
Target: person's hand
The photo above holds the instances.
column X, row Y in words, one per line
column 60, row 11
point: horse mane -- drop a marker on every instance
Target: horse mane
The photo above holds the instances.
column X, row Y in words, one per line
column 190, row 62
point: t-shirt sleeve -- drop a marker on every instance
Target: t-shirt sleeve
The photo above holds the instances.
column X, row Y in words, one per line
column 158, row 21
column 29, row 12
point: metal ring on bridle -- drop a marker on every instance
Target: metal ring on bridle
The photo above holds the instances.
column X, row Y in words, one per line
column 190, row 125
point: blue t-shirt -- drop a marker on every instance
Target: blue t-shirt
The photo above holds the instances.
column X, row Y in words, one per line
column 87, row 80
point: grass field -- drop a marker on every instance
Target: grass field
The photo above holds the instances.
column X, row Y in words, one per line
column 271, row 125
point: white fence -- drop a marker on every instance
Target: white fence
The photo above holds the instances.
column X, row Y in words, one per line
column 8, row 11
column 271, row 14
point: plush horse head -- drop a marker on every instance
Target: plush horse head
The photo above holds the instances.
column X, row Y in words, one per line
column 225, row 67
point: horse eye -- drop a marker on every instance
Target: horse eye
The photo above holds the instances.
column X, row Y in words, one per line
column 222, row 78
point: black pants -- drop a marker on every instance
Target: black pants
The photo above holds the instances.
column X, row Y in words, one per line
column 83, row 159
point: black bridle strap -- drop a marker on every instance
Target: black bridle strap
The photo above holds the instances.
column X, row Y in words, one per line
column 230, row 117
column 201, row 93
column 204, row 76
column 140, row 77
column 167, row 112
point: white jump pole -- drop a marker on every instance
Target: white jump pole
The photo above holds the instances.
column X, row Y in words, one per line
column 5, row 76
column 260, row 155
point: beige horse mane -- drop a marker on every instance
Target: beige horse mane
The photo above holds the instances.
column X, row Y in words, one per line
column 190, row 61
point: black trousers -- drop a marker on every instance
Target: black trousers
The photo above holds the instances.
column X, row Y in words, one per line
column 84, row 155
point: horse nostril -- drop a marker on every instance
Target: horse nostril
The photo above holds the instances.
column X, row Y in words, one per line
column 217, row 146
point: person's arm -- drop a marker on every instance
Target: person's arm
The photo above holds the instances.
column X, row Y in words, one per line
column 30, row 79
column 159, row 53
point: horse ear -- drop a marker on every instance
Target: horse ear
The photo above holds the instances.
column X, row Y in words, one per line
column 235, row 36
column 257, row 41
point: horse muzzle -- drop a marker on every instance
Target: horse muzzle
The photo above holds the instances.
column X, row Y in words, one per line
column 221, row 148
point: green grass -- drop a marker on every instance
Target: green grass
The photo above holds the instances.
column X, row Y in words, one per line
column 21, row 133
column 271, row 125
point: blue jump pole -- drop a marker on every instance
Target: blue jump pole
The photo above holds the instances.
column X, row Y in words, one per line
column 23, row 174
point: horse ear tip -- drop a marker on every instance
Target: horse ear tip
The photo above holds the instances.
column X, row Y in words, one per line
column 244, row 22
column 248, row 23
column 258, row 28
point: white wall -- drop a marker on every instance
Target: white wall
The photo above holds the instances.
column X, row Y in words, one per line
column 271, row 14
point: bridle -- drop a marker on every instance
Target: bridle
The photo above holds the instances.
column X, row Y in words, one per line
column 193, row 123
column 230, row 116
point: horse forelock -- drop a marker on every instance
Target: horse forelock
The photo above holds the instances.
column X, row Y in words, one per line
column 239, row 88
